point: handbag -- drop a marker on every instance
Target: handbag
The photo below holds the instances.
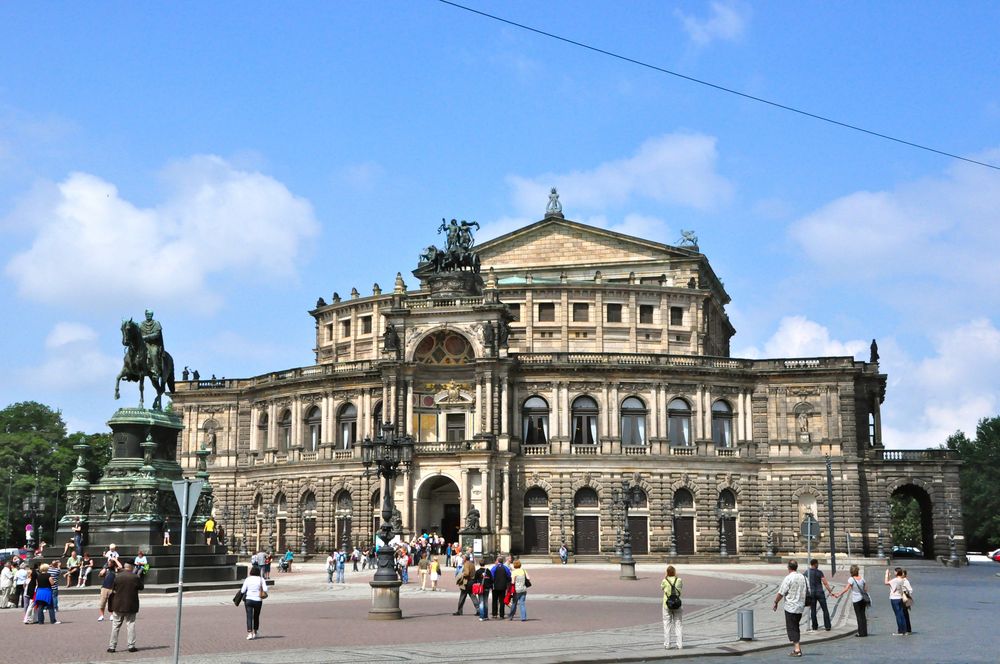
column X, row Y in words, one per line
column 477, row 589
column 907, row 599
column 527, row 581
column 239, row 597
column 263, row 594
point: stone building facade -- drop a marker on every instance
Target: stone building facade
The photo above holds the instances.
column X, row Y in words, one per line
column 576, row 359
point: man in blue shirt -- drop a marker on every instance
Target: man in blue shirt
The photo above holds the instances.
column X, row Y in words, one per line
column 341, row 563
column 501, row 579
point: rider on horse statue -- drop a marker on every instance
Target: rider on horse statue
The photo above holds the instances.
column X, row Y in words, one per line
column 152, row 334
column 146, row 358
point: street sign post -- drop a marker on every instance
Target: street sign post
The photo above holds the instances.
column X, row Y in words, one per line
column 810, row 530
column 186, row 491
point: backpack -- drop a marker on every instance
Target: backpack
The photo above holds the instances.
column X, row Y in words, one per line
column 673, row 599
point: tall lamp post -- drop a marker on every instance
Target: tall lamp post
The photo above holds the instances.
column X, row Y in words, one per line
column 6, row 518
column 673, row 530
column 616, row 518
column 722, row 512
column 768, row 518
column 270, row 512
column 33, row 504
column 387, row 452
column 627, row 563
column 55, row 515
column 952, row 547
column 244, row 517
column 878, row 523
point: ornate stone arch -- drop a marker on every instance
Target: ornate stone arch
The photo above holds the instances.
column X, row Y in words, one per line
column 893, row 485
column 541, row 484
column 417, row 335
column 587, row 481
column 686, row 483
column 439, row 473
column 731, row 483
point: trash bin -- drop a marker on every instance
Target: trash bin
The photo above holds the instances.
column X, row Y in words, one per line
column 744, row 624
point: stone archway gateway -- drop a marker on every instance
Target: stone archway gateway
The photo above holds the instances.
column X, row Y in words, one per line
column 923, row 500
column 439, row 507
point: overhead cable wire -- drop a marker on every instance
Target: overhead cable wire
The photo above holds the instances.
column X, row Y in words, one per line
column 721, row 88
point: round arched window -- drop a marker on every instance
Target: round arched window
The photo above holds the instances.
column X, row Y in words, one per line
column 535, row 421
column 447, row 348
column 584, row 421
column 679, row 423
column 722, row 424
column 633, row 422
column 536, row 497
column 683, row 499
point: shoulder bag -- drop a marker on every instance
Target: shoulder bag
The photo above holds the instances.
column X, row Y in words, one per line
column 239, row 597
column 673, row 599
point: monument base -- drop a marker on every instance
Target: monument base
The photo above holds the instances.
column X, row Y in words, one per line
column 385, row 600
column 627, row 572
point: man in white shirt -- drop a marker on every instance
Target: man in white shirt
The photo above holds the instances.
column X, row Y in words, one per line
column 793, row 590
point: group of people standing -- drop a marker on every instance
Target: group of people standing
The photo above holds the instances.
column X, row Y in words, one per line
column 506, row 579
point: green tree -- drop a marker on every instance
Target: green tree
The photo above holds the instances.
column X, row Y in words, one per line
column 980, row 484
column 906, row 527
column 34, row 447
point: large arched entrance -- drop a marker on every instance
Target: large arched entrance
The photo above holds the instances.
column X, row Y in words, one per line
column 912, row 515
column 439, row 508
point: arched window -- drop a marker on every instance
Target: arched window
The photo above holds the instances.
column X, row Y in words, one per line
column 536, row 497
column 445, row 348
column 679, row 423
column 262, row 426
column 535, row 416
column 727, row 499
column 281, row 504
column 683, row 499
column 309, row 502
column 314, row 429
column 584, row 421
column 285, row 431
column 586, row 497
column 376, row 418
column 344, row 502
column 347, row 426
column 633, row 422
column 722, row 424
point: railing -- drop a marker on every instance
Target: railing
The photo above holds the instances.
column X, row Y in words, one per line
column 534, row 450
column 584, row 449
column 682, row 451
column 697, row 361
column 340, row 455
column 916, row 455
column 451, row 446
column 444, row 302
column 726, row 452
column 633, row 450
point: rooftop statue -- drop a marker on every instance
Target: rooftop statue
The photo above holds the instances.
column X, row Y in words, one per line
column 554, row 208
column 688, row 238
column 458, row 254
column 146, row 358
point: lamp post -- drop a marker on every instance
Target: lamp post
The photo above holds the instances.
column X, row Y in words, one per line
column 6, row 518
column 225, row 526
column 616, row 512
column 952, row 547
column 673, row 530
column 33, row 504
column 244, row 517
column 768, row 517
column 55, row 514
column 878, row 523
column 627, row 563
column 386, row 452
column 270, row 513
column 721, row 512
column 561, row 506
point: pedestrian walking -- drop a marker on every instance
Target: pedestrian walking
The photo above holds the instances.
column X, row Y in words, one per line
column 435, row 572
column 6, row 584
column 859, row 598
column 29, row 594
column 254, row 593
column 897, row 586
column 20, row 583
column 125, row 606
column 107, row 583
column 166, row 531
column 43, row 595
column 464, row 576
column 482, row 585
column 673, row 613
column 331, row 567
column 519, row 577
column 793, row 590
column 355, row 557
column 815, row 584
column 78, row 537
column 424, row 569
column 501, row 581
column 563, row 553
column 341, row 564
column 210, row 531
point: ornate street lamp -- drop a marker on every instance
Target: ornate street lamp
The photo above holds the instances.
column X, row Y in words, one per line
column 722, row 512
column 270, row 513
column 878, row 522
column 768, row 517
column 33, row 504
column 673, row 530
column 616, row 512
column 244, row 518
column 387, row 452
column 561, row 506
column 6, row 518
column 627, row 563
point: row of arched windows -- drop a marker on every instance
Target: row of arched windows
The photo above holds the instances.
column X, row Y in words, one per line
column 583, row 422
column 312, row 429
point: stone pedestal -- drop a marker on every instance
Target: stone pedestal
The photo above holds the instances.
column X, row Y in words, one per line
column 385, row 600
column 627, row 572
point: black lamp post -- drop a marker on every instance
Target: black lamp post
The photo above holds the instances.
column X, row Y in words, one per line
column 627, row 564
column 6, row 518
column 387, row 452
column 561, row 506
column 270, row 513
column 616, row 512
column 244, row 517
column 33, row 504
column 878, row 523
column 722, row 512
column 673, row 530
column 768, row 517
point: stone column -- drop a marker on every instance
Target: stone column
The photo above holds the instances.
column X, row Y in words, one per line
column 505, row 407
column 409, row 407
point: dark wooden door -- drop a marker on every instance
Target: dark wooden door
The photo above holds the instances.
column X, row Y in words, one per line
column 585, row 536
column 685, row 535
column 282, row 541
column 309, row 533
column 730, row 527
column 638, row 529
column 450, row 522
column 344, row 532
column 536, row 534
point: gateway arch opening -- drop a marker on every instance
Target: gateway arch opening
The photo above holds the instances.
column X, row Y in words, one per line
column 439, row 508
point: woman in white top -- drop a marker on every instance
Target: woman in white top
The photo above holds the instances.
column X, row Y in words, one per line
column 254, row 593
column 858, row 588
column 896, row 585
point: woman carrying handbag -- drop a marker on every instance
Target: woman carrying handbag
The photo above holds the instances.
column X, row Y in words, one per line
column 254, row 593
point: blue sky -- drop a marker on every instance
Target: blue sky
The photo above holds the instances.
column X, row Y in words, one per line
column 251, row 158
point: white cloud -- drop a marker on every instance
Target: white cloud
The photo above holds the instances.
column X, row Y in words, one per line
column 364, row 176
column 73, row 361
column 726, row 22
column 941, row 228
column 677, row 168
column 797, row 336
column 92, row 246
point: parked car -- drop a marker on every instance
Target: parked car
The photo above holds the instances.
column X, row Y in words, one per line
column 906, row 552
column 994, row 555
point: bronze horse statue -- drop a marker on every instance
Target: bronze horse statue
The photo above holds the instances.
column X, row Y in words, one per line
column 137, row 366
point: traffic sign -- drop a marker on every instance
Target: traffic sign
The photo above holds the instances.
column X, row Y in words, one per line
column 187, row 492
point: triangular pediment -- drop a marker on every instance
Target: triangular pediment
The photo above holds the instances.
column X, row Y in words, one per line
column 567, row 243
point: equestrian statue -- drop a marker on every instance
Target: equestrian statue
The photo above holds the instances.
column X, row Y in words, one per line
column 145, row 358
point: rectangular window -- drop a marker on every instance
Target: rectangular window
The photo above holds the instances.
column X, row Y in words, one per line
column 722, row 431
column 329, row 332
column 366, row 325
column 546, row 312
column 515, row 312
column 676, row 315
column 581, row 312
column 455, row 424
column 345, row 328
column 646, row 314
column 614, row 313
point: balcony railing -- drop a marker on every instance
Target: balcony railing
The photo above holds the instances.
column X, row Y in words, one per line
column 916, row 455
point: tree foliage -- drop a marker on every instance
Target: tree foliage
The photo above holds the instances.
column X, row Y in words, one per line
column 906, row 525
column 980, row 479
column 34, row 444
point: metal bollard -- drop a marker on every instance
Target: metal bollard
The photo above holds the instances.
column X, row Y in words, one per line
column 744, row 624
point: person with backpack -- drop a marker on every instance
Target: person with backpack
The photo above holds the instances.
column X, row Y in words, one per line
column 341, row 564
column 501, row 580
column 672, row 586
column 482, row 584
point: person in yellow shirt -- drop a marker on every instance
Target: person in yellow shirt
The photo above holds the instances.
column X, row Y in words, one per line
column 672, row 586
column 210, row 531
